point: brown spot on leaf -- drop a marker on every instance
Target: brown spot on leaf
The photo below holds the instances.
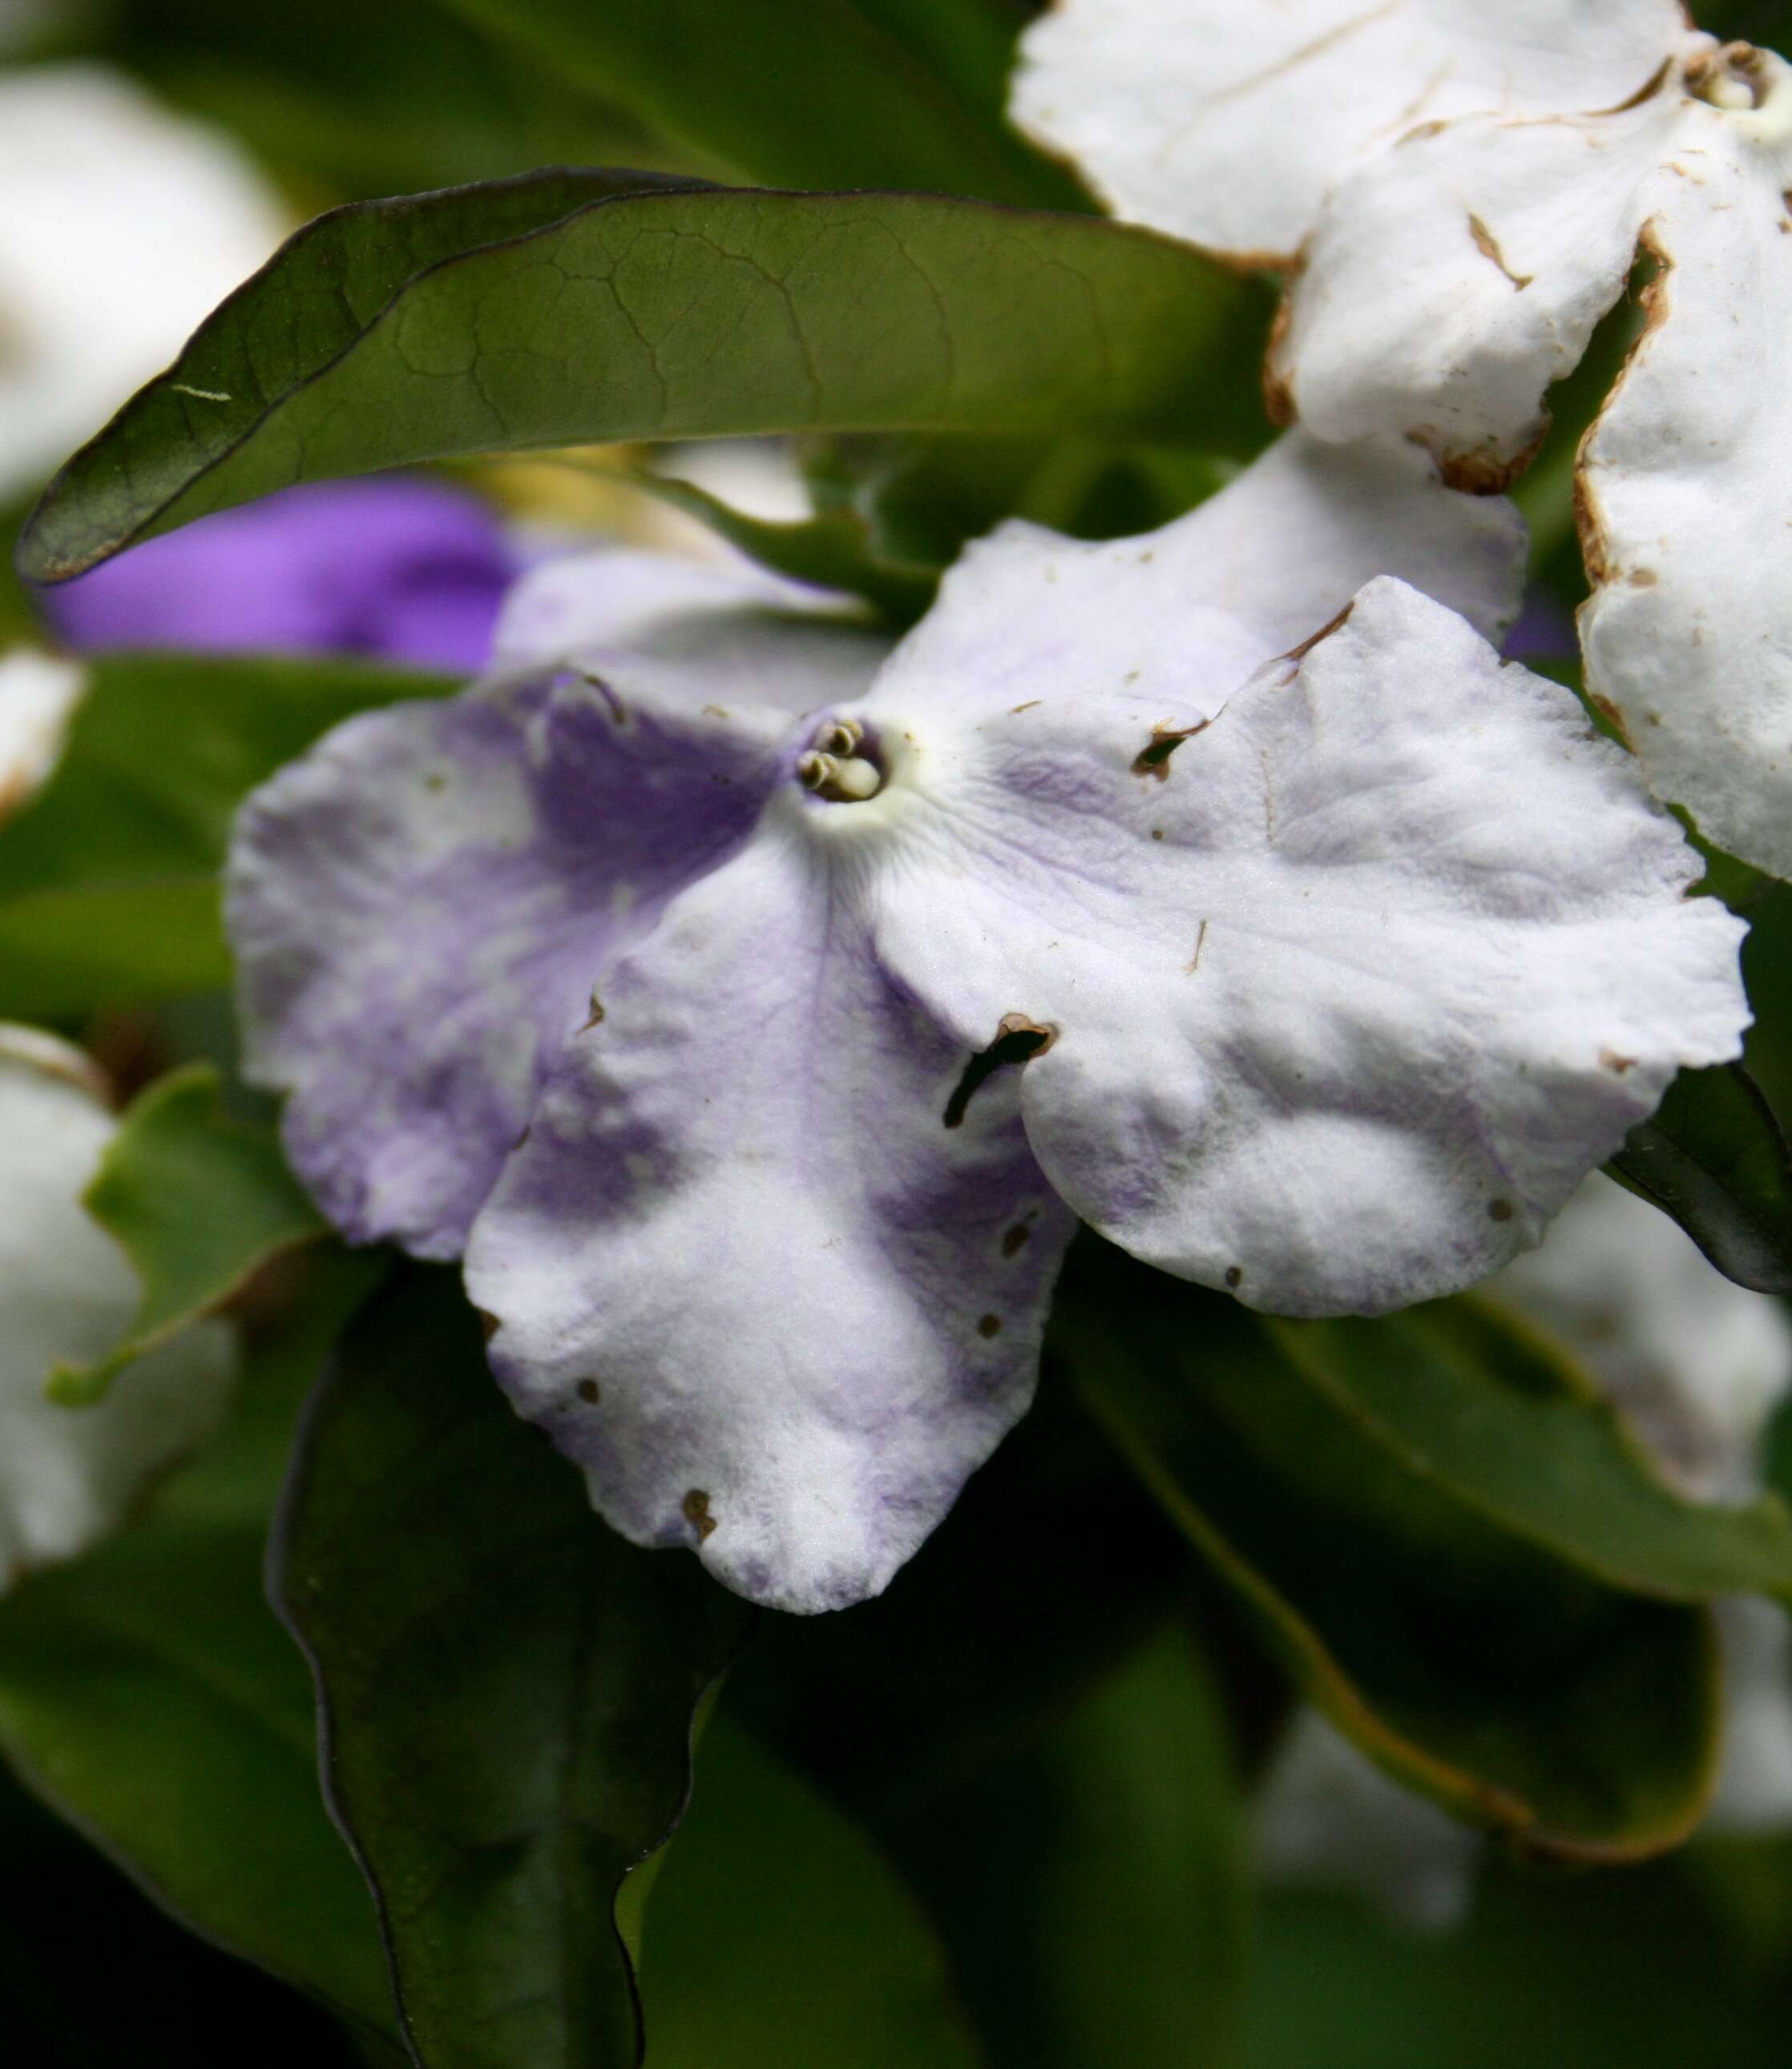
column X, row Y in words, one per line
column 587, row 1390
column 1016, row 1240
column 1153, row 759
column 989, row 1325
column 1500, row 1210
column 1018, row 1040
column 697, row 1512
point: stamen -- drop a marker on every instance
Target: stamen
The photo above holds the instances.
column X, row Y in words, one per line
column 833, row 771
column 1736, row 77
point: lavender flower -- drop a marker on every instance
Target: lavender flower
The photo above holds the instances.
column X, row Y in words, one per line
column 756, row 1009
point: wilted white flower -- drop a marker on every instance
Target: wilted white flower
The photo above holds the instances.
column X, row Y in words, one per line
column 121, row 227
column 1464, row 190
column 68, row 1475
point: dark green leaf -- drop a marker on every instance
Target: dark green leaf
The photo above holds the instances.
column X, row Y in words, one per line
column 778, row 1938
column 1042, row 1763
column 1471, row 1660
column 108, row 883
column 148, row 1694
column 682, row 312
column 199, row 1202
column 1714, row 1158
column 835, row 549
column 506, row 1688
column 1483, row 1402
column 809, row 93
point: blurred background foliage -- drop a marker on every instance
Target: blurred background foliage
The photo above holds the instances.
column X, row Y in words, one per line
column 1000, row 1816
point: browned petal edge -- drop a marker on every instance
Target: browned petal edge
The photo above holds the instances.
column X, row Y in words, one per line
column 1153, row 759
column 1278, row 382
column 1299, row 653
column 1589, row 524
column 54, row 1058
column 1484, row 473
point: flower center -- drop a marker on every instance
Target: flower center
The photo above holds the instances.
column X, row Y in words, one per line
column 841, row 765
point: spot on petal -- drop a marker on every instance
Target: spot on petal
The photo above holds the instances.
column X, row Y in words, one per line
column 1016, row 1240
column 989, row 1325
column 587, row 1390
column 1153, row 759
column 1235, row 1276
column 697, row 1512
column 1500, row 1210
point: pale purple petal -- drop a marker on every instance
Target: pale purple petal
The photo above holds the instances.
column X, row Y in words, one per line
column 1351, row 988
column 422, row 906
column 744, row 1274
column 402, row 568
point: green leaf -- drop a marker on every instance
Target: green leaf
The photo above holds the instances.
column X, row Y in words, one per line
column 835, row 549
column 1714, row 1158
column 506, row 1690
column 149, row 1696
column 1043, row 1762
column 1471, row 1658
column 199, row 1202
column 809, row 93
column 779, row 1938
column 108, row 886
column 451, row 323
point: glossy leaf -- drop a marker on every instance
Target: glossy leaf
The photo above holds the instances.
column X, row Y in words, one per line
column 506, row 1690
column 678, row 313
column 809, row 93
column 199, row 1202
column 1020, row 1728
column 778, row 1937
column 108, row 883
column 1472, row 1662
column 1714, row 1158
column 148, row 1693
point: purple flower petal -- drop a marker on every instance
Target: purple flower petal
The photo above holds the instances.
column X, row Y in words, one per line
column 745, row 1275
column 400, row 569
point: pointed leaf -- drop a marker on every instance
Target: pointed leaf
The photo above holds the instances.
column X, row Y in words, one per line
column 199, row 1202
column 668, row 311
column 1714, row 1158
column 1468, row 1660
column 506, row 1690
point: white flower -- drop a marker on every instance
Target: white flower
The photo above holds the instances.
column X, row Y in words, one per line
column 121, row 227
column 37, row 697
column 1466, row 189
column 68, row 1475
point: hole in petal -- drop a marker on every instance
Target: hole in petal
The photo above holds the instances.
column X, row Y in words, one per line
column 1235, row 1276
column 1018, row 1040
column 697, row 1512
column 1153, row 759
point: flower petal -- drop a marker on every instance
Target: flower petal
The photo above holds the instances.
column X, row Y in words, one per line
column 68, row 1476
column 1453, row 278
column 1229, row 128
column 1184, row 613
column 742, row 1273
column 422, row 906
column 38, row 695
column 1352, row 987
column 693, row 632
column 1686, row 500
